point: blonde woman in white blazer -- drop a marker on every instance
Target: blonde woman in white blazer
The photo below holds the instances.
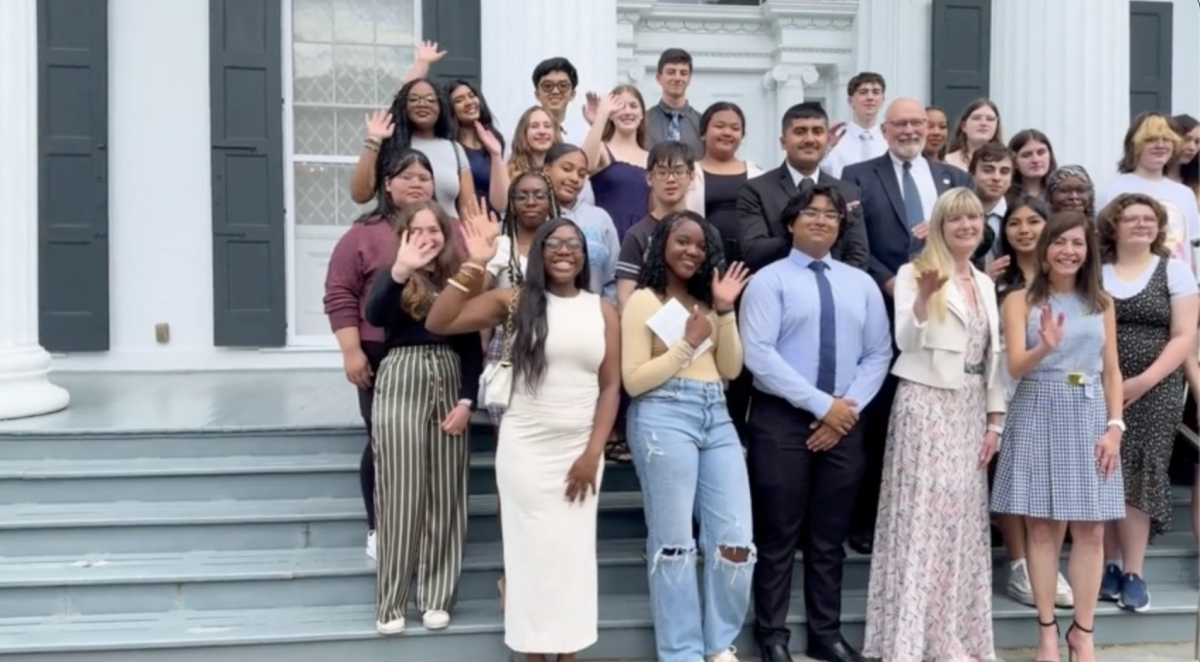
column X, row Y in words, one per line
column 930, row 591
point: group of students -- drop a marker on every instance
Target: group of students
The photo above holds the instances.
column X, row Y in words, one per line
column 579, row 306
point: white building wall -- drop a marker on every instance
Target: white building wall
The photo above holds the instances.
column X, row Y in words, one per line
column 1185, row 75
column 894, row 40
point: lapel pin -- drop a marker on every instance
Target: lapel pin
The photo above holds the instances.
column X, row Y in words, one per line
column 946, row 181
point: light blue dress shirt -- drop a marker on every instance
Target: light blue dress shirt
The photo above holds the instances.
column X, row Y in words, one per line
column 781, row 324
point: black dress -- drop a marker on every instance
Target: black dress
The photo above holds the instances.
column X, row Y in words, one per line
column 1143, row 330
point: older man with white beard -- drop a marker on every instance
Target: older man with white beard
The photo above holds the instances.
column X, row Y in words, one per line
column 897, row 193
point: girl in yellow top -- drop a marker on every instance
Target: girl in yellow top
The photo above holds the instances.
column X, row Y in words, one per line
column 684, row 445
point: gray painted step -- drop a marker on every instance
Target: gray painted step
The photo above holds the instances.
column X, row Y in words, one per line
column 241, row 477
column 33, row 529
column 319, row 634
column 213, row 442
column 137, row 582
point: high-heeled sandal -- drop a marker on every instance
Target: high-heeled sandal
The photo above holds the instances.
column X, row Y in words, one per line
column 1057, row 631
column 1071, row 647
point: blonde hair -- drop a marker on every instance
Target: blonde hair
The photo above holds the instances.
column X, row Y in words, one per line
column 1147, row 126
column 522, row 157
column 936, row 255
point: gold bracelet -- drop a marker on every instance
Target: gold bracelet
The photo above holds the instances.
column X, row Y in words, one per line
column 463, row 288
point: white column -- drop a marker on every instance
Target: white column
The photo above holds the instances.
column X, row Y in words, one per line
column 25, row 388
column 894, row 41
column 517, row 35
column 1063, row 67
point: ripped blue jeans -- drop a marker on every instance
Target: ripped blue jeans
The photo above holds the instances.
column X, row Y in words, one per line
column 689, row 461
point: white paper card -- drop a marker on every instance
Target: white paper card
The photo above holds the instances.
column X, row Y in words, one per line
column 669, row 324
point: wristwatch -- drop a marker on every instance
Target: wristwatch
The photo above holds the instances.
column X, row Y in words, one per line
column 1117, row 423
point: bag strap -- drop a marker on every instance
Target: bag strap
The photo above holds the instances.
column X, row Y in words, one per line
column 506, row 350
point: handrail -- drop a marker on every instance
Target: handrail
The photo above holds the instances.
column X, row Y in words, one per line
column 1194, row 439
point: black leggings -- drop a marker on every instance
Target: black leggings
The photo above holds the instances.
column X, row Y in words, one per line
column 375, row 352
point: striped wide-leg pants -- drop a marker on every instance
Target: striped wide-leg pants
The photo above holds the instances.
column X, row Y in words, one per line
column 420, row 480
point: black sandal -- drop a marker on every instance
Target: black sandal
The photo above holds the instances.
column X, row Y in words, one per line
column 618, row 451
column 1053, row 622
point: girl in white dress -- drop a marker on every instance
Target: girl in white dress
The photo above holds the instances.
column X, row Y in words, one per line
column 567, row 381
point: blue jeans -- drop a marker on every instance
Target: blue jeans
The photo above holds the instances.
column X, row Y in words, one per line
column 689, row 461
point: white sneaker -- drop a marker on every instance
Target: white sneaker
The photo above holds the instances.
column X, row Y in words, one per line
column 436, row 619
column 1018, row 586
column 725, row 656
column 391, row 627
column 1063, row 595
column 371, row 549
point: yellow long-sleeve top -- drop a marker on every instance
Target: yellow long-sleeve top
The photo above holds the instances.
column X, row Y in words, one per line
column 646, row 363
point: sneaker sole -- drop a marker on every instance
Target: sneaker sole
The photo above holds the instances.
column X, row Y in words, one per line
column 1024, row 598
column 1143, row 608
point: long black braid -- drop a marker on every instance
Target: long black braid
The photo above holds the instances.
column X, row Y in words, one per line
column 510, row 220
column 653, row 274
column 402, row 135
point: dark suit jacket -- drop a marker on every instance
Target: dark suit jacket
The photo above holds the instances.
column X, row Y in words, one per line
column 883, row 209
column 764, row 237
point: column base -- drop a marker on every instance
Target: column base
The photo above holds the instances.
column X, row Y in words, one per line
column 25, row 386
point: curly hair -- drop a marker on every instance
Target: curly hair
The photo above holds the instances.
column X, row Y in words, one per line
column 401, row 139
column 423, row 286
column 529, row 319
column 510, row 219
column 1110, row 216
column 655, row 274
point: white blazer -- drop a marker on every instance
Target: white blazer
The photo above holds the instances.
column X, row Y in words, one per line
column 933, row 352
column 694, row 200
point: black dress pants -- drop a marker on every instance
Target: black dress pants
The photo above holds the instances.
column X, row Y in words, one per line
column 802, row 500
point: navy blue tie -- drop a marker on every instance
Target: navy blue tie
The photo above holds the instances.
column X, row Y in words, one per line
column 827, row 361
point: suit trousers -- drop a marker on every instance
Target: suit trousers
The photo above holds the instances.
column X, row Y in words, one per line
column 801, row 500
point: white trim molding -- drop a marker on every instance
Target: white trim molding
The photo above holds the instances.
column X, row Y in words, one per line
column 25, row 387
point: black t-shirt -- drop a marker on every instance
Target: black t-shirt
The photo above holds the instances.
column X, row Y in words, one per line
column 633, row 248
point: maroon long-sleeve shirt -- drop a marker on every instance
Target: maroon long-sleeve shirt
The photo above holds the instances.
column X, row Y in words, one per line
column 366, row 249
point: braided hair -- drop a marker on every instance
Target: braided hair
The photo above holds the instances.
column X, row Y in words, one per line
column 654, row 273
column 402, row 135
column 510, row 220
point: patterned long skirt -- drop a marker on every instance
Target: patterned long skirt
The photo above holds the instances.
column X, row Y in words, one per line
column 930, row 594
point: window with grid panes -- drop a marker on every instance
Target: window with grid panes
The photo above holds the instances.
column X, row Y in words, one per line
column 347, row 59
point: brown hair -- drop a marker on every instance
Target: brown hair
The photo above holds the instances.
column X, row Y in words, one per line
column 1087, row 279
column 522, row 157
column 992, row 153
column 423, row 286
column 864, row 78
column 959, row 140
column 1110, row 216
column 642, row 131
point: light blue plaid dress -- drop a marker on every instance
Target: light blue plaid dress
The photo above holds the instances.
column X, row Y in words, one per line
column 1048, row 466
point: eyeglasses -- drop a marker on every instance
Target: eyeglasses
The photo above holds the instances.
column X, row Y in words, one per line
column 813, row 214
column 423, row 101
column 667, row 173
column 914, row 122
column 554, row 245
column 1069, row 191
column 526, row 196
column 1139, row 220
column 562, row 87
column 414, row 179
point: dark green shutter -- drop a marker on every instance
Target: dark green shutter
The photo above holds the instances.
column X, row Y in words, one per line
column 1150, row 53
column 73, row 297
column 455, row 26
column 961, row 54
column 249, row 265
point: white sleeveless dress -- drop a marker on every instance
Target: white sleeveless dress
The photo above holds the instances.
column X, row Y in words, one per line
column 550, row 571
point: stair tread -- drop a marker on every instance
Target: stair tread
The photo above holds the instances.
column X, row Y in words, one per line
column 117, row 513
column 299, row 624
column 275, row 564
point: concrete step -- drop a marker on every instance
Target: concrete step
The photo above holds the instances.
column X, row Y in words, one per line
column 59, row 529
column 240, row 477
column 322, row 633
column 232, row 579
column 210, row 442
